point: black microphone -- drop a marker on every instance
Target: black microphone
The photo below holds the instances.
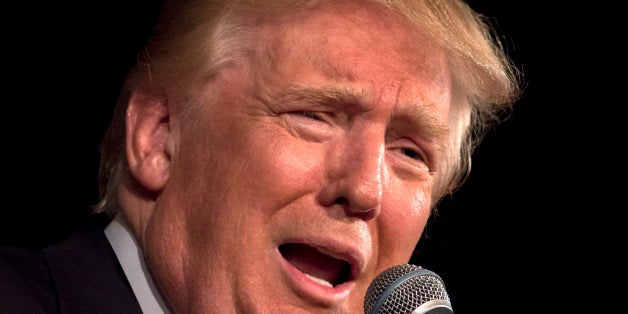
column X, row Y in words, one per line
column 408, row 289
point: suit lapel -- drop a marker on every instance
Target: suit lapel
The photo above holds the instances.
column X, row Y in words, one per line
column 87, row 275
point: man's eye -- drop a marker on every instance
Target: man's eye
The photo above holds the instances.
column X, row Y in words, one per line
column 309, row 114
column 411, row 153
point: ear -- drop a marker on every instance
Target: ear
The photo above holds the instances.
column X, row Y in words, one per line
column 147, row 140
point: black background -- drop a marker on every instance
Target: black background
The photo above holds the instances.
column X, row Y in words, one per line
column 498, row 242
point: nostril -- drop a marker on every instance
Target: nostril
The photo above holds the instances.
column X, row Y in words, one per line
column 355, row 210
column 341, row 201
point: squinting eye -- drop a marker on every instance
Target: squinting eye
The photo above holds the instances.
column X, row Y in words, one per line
column 309, row 114
column 411, row 153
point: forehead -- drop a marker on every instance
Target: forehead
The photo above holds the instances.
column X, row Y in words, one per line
column 344, row 40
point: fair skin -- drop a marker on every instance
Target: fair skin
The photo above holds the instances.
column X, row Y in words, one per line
column 277, row 182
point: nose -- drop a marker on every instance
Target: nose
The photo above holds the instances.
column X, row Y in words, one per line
column 356, row 175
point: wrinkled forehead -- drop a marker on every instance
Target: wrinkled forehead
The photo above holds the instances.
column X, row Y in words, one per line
column 352, row 31
column 344, row 40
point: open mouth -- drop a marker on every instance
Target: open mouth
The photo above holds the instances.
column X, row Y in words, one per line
column 316, row 265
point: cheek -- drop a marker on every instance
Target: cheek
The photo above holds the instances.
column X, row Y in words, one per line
column 250, row 171
column 401, row 222
column 279, row 166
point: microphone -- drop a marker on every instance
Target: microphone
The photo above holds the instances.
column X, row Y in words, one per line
column 408, row 289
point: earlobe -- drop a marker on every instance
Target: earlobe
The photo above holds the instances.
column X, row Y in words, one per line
column 148, row 140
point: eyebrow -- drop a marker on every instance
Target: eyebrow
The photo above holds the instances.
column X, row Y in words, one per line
column 417, row 113
column 423, row 118
column 330, row 96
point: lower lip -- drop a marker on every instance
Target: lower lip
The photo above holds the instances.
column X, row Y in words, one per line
column 311, row 289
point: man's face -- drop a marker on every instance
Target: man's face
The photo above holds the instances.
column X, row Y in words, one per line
column 308, row 172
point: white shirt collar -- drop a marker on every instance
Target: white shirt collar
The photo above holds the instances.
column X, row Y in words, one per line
column 131, row 258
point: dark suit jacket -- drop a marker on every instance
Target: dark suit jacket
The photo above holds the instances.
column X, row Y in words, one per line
column 78, row 275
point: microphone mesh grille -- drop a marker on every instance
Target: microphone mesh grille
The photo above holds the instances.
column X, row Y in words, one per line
column 409, row 295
